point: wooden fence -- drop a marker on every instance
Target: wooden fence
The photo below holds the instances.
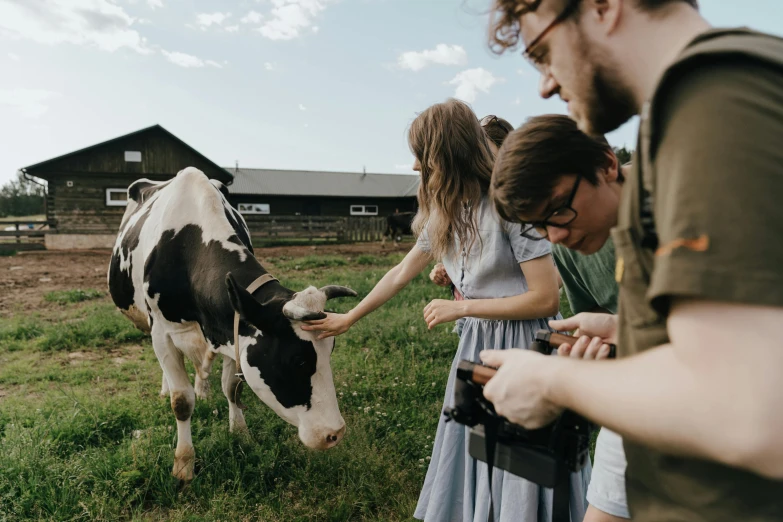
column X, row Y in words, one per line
column 23, row 231
column 25, row 235
column 339, row 228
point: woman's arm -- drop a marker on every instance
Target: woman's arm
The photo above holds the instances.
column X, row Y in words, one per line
column 390, row 284
column 541, row 299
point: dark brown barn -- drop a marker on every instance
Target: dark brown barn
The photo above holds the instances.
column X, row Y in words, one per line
column 87, row 189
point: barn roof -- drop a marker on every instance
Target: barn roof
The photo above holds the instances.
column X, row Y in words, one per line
column 42, row 167
column 315, row 183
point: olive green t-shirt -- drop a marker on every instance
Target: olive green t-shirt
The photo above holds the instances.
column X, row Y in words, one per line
column 588, row 280
column 716, row 168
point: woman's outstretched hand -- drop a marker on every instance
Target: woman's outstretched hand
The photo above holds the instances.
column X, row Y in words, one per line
column 333, row 325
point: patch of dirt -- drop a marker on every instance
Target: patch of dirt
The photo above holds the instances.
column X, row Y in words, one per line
column 25, row 279
column 22, row 289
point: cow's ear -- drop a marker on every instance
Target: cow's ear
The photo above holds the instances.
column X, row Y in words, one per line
column 265, row 317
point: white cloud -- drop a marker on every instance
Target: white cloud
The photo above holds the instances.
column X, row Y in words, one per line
column 99, row 23
column 232, row 28
column 188, row 60
column 205, row 20
column 302, row 107
column 289, row 17
column 517, row 101
column 472, row 81
column 253, row 17
column 29, row 103
column 442, row 54
column 154, row 4
column 306, row 125
column 14, row 57
column 269, row 66
column 404, row 166
column 315, row 28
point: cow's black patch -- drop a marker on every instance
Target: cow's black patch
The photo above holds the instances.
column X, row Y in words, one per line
column 121, row 281
column 189, row 276
column 130, row 239
column 243, row 234
column 287, row 364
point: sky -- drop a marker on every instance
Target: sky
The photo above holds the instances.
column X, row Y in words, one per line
column 286, row 84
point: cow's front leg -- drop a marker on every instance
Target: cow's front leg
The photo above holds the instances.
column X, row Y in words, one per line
column 183, row 399
column 231, row 389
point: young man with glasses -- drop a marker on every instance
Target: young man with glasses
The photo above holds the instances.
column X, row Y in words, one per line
column 550, row 160
column 696, row 391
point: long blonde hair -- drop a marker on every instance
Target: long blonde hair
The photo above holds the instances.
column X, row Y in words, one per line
column 456, row 169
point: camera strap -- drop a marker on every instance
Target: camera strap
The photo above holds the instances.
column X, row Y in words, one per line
column 560, row 497
column 490, row 440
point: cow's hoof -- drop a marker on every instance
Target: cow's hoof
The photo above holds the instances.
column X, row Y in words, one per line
column 238, row 427
column 184, row 464
column 163, row 394
column 202, row 388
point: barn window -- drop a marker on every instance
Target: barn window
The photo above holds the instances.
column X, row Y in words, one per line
column 253, row 208
column 133, row 156
column 364, row 210
column 116, row 197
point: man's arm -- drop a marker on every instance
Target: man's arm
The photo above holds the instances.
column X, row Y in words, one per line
column 715, row 392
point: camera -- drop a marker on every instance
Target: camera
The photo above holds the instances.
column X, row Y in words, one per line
column 546, row 455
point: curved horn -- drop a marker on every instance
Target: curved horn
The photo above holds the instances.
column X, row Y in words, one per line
column 299, row 313
column 333, row 291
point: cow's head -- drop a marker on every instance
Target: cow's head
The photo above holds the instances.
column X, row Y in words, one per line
column 288, row 368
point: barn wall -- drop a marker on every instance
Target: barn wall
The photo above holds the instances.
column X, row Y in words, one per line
column 82, row 209
column 323, row 206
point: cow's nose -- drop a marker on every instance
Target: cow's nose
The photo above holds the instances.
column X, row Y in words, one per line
column 332, row 439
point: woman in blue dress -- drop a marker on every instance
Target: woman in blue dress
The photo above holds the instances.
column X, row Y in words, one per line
column 510, row 290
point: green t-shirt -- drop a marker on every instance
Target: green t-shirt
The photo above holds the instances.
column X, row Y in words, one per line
column 588, row 280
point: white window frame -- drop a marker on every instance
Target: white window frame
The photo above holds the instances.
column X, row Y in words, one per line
column 254, row 208
column 133, row 156
column 114, row 203
column 361, row 210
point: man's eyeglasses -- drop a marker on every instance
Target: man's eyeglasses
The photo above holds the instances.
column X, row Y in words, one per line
column 560, row 217
column 538, row 61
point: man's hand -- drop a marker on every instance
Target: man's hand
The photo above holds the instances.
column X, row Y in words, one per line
column 519, row 389
column 592, row 325
column 439, row 275
column 585, row 348
column 443, row 311
column 334, row 324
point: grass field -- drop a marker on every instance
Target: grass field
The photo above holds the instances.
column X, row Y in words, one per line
column 84, row 435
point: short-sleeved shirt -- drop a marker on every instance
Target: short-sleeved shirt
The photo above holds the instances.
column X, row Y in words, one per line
column 490, row 268
column 707, row 182
column 588, row 280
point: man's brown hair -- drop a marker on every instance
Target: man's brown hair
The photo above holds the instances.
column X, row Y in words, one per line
column 505, row 16
column 536, row 156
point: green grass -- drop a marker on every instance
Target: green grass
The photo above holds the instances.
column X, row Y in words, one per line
column 89, row 438
column 72, row 296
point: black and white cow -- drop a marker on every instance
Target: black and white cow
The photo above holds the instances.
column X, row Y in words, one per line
column 179, row 270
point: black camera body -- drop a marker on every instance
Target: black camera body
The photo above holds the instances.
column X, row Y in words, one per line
column 546, row 455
